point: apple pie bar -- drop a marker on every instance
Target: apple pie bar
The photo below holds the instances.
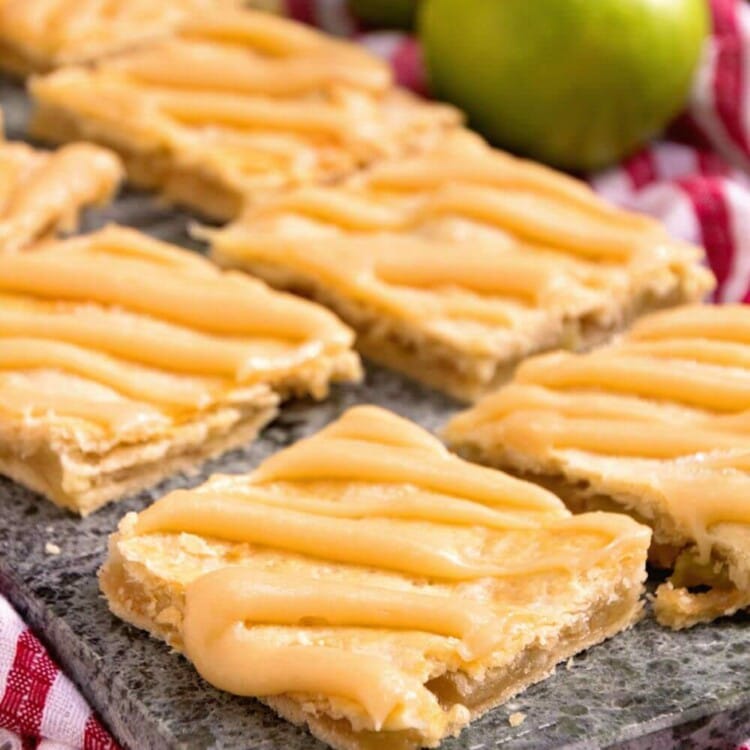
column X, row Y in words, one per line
column 655, row 425
column 40, row 35
column 124, row 359
column 238, row 104
column 44, row 191
column 454, row 265
column 373, row 586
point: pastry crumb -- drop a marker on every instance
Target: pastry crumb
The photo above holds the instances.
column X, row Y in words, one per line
column 169, row 616
column 51, row 549
column 516, row 719
column 196, row 546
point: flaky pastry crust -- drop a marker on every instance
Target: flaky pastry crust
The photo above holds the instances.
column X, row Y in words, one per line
column 124, row 359
column 654, row 426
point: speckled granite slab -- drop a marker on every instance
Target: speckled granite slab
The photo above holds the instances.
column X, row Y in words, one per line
column 648, row 688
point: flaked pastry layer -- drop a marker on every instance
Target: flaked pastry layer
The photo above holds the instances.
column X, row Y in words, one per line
column 236, row 105
column 371, row 585
column 44, row 191
column 455, row 265
column 39, row 35
column 124, row 359
column 656, row 426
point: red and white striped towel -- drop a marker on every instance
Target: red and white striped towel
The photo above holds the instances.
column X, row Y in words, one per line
column 40, row 707
column 696, row 179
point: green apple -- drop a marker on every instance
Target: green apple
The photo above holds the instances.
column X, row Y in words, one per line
column 387, row 14
column 575, row 83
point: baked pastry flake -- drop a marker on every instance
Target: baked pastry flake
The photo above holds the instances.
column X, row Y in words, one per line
column 455, row 265
column 43, row 192
column 124, row 359
column 655, row 425
column 237, row 105
column 369, row 584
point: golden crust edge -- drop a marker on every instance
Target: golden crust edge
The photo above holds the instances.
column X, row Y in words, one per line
column 533, row 664
column 54, row 459
column 675, row 608
column 387, row 341
column 114, row 485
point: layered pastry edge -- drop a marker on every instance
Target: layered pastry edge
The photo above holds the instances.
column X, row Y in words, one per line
column 446, row 365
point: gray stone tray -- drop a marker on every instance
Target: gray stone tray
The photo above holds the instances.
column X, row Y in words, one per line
column 648, row 688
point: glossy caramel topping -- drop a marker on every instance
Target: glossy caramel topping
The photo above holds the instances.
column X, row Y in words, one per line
column 616, row 370
column 462, row 177
column 372, row 495
column 675, row 391
column 126, row 377
column 42, row 191
column 213, row 302
column 702, row 322
column 149, row 326
column 282, row 64
column 398, row 236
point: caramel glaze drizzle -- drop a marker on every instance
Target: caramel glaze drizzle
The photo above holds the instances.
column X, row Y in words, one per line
column 445, row 539
column 676, row 390
column 222, row 607
column 172, row 64
column 463, row 177
column 255, row 311
column 164, row 329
